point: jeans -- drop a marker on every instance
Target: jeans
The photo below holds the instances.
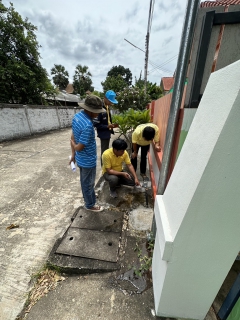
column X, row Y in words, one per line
column 143, row 159
column 87, row 181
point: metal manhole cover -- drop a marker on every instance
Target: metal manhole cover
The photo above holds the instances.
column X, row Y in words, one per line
column 91, row 244
column 106, row 221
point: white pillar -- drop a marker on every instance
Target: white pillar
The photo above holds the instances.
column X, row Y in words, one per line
column 198, row 217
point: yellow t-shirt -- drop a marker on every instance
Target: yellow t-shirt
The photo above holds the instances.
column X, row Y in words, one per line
column 137, row 134
column 111, row 161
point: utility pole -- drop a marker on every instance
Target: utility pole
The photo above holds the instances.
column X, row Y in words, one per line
column 147, row 46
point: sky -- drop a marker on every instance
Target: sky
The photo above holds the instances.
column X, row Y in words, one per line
column 92, row 33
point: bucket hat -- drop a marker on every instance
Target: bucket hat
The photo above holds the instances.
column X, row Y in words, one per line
column 110, row 95
column 92, row 103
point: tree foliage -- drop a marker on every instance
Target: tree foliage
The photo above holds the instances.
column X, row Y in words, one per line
column 82, row 81
column 154, row 91
column 134, row 98
column 60, row 78
column 114, row 83
column 128, row 121
column 125, row 73
column 22, row 78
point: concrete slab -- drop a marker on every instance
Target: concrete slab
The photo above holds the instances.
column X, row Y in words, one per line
column 107, row 220
column 77, row 265
column 141, row 218
column 91, row 244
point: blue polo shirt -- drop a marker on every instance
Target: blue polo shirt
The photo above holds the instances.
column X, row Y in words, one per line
column 83, row 132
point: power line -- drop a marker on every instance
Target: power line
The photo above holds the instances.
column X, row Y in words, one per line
column 134, row 45
column 156, row 66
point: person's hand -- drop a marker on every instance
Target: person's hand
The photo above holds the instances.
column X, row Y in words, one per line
column 115, row 125
column 137, row 183
column 157, row 148
column 72, row 158
column 126, row 175
column 110, row 126
column 134, row 155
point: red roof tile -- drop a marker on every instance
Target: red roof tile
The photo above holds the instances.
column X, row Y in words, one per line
column 167, row 83
column 219, row 3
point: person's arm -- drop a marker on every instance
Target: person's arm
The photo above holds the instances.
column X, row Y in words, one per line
column 134, row 154
column 157, row 146
column 118, row 173
column 77, row 147
column 73, row 150
column 107, row 165
column 99, row 125
column 157, row 140
column 131, row 169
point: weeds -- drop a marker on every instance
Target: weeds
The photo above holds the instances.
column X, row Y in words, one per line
column 45, row 280
column 144, row 259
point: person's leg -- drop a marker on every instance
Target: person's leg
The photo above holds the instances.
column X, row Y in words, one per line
column 87, row 181
column 127, row 182
column 143, row 161
column 134, row 161
column 112, row 180
column 104, row 146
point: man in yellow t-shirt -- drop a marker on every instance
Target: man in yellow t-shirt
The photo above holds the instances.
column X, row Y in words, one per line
column 112, row 169
column 142, row 136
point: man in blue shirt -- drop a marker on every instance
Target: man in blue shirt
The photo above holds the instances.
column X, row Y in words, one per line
column 103, row 123
column 84, row 150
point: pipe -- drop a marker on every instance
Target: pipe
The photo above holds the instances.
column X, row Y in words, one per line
column 181, row 71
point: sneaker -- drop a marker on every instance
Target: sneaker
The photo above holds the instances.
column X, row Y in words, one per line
column 95, row 208
column 113, row 194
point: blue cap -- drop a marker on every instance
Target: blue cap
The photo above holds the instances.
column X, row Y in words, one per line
column 110, row 95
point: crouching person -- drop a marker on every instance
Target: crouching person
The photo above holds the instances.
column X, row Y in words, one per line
column 113, row 160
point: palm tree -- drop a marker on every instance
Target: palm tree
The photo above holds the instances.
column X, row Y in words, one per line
column 81, row 80
column 61, row 75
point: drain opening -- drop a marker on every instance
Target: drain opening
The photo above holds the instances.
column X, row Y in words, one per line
column 110, row 244
column 71, row 238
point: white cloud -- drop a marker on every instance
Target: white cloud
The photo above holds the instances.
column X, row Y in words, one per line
column 92, row 33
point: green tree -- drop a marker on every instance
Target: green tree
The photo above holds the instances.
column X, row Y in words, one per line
column 125, row 73
column 60, row 78
column 128, row 121
column 82, row 81
column 98, row 93
column 154, row 91
column 114, row 83
column 22, row 78
column 134, row 98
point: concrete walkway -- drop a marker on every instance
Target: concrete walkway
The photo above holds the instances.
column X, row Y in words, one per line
column 39, row 195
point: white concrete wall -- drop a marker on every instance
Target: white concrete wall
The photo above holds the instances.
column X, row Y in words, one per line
column 65, row 116
column 17, row 121
column 198, row 217
column 13, row 122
